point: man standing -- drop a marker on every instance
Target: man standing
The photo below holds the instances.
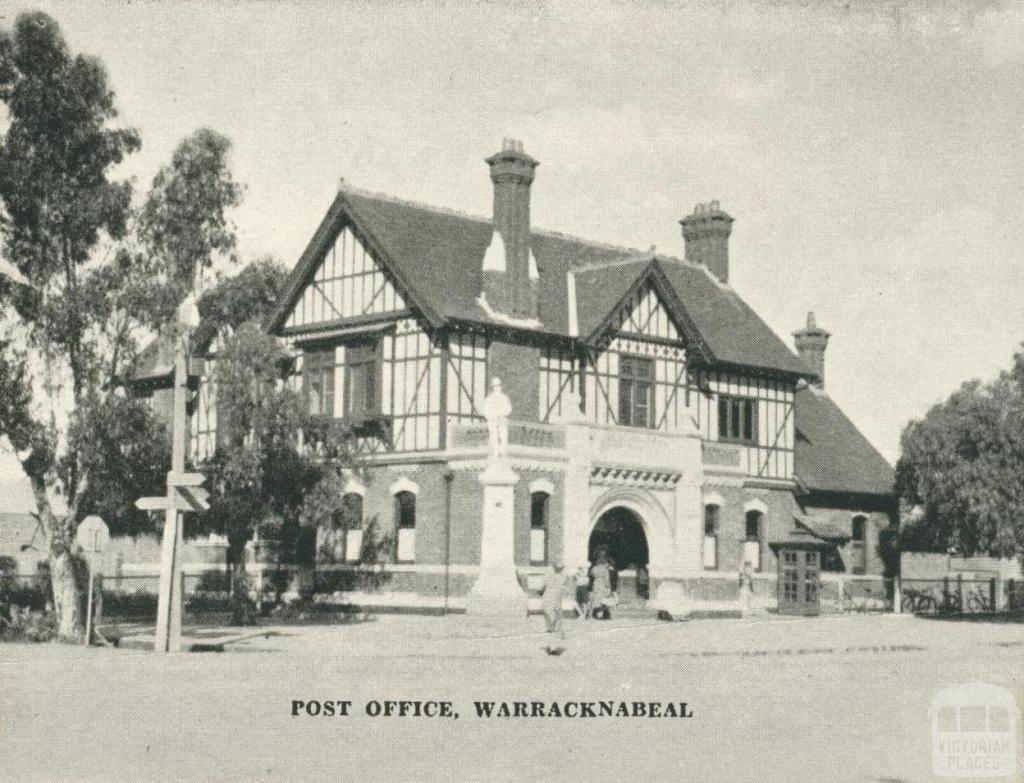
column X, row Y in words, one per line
column 551, row 603
column 746, row 588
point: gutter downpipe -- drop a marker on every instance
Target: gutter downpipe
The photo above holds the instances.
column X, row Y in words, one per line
column 449, row 475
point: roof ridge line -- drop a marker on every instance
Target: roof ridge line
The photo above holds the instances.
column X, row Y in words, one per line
column 347, row 187
column 350, row 188
column 587, row 266
column 592, row 242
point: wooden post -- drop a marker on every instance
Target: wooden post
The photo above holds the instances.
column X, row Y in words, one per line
column 448, row 478
column 168, row 616
column 992, row 594
column 88, row 602
column 960, row 592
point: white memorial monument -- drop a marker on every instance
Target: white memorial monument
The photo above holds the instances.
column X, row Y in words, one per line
column 496, row 591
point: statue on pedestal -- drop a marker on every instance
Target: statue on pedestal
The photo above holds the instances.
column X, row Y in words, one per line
column 496, row 409
column 497, row 591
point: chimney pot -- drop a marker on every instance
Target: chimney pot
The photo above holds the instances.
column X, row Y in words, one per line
column 706, row 233
column 513, row 290
column 811, row 342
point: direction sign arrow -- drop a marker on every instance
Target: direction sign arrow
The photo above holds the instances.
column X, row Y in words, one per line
column 151, row 504
column 185, row 479
column 185, row 499
column 193, row 498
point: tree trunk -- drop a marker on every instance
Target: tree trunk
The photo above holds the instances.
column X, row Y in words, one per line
column 243, row 610
column 68, row 597
column 68, row 592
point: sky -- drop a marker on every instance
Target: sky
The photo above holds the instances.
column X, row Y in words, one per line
column 870, row 153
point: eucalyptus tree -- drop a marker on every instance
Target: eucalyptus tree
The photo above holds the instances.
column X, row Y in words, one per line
column 90, row 279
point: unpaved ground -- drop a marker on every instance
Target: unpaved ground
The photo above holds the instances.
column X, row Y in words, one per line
column 828, row 699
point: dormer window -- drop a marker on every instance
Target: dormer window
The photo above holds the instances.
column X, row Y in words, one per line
column 737, row 419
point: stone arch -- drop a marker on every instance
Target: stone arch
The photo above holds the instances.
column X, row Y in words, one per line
column 756, row 504
column 354, row 486
column 713, row 499
column 404, row 484
column 542, row 485
column 652, row 516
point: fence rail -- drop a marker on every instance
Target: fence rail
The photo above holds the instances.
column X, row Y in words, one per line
column 956, row 595
column 868, row 596
column 135, row 595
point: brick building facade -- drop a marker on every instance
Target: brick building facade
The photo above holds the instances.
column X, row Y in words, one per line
column 655, row 415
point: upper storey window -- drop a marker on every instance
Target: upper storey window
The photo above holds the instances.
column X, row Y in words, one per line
column 358, row 389
column 361, row 380
column 318, row 380
column 636, row 379
column 737, row 419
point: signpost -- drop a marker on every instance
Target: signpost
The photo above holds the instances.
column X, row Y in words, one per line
column 184, row 493
column 93, row 535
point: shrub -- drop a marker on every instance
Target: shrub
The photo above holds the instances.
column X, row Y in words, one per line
column 34, row 594
column 138, row 603
column 26, row 625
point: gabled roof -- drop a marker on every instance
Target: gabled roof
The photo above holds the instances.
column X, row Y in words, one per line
column 435, row 257
column 831, row 454
column 823, row 529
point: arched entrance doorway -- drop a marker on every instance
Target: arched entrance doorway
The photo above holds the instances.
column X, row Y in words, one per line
column 619, row 535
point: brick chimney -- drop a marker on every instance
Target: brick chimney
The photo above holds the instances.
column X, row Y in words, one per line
column 510, row 276
column 706, row 233
column 810, row 344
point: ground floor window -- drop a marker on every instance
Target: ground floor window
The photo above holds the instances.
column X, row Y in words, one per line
column 352, row 526
column 752, row 539
column 711, row 521
column 539, row 502
column 405, row 517
column 858, row 545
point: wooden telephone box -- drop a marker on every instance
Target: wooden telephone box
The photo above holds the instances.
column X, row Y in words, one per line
column 799, row 584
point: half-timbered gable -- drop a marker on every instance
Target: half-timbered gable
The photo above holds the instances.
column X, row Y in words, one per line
column 362, row 353
column 348, row 283
column 636, row 374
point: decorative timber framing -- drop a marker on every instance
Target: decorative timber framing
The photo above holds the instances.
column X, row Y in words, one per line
column 770, row 455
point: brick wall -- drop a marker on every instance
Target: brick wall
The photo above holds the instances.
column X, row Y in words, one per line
column 466, row 505
column 518, row 366
column 777, row 521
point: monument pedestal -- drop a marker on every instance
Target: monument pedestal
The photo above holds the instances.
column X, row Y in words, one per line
column 497, row 592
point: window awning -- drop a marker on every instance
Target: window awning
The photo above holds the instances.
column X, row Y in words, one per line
column 823, row 529
column 811, row 533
